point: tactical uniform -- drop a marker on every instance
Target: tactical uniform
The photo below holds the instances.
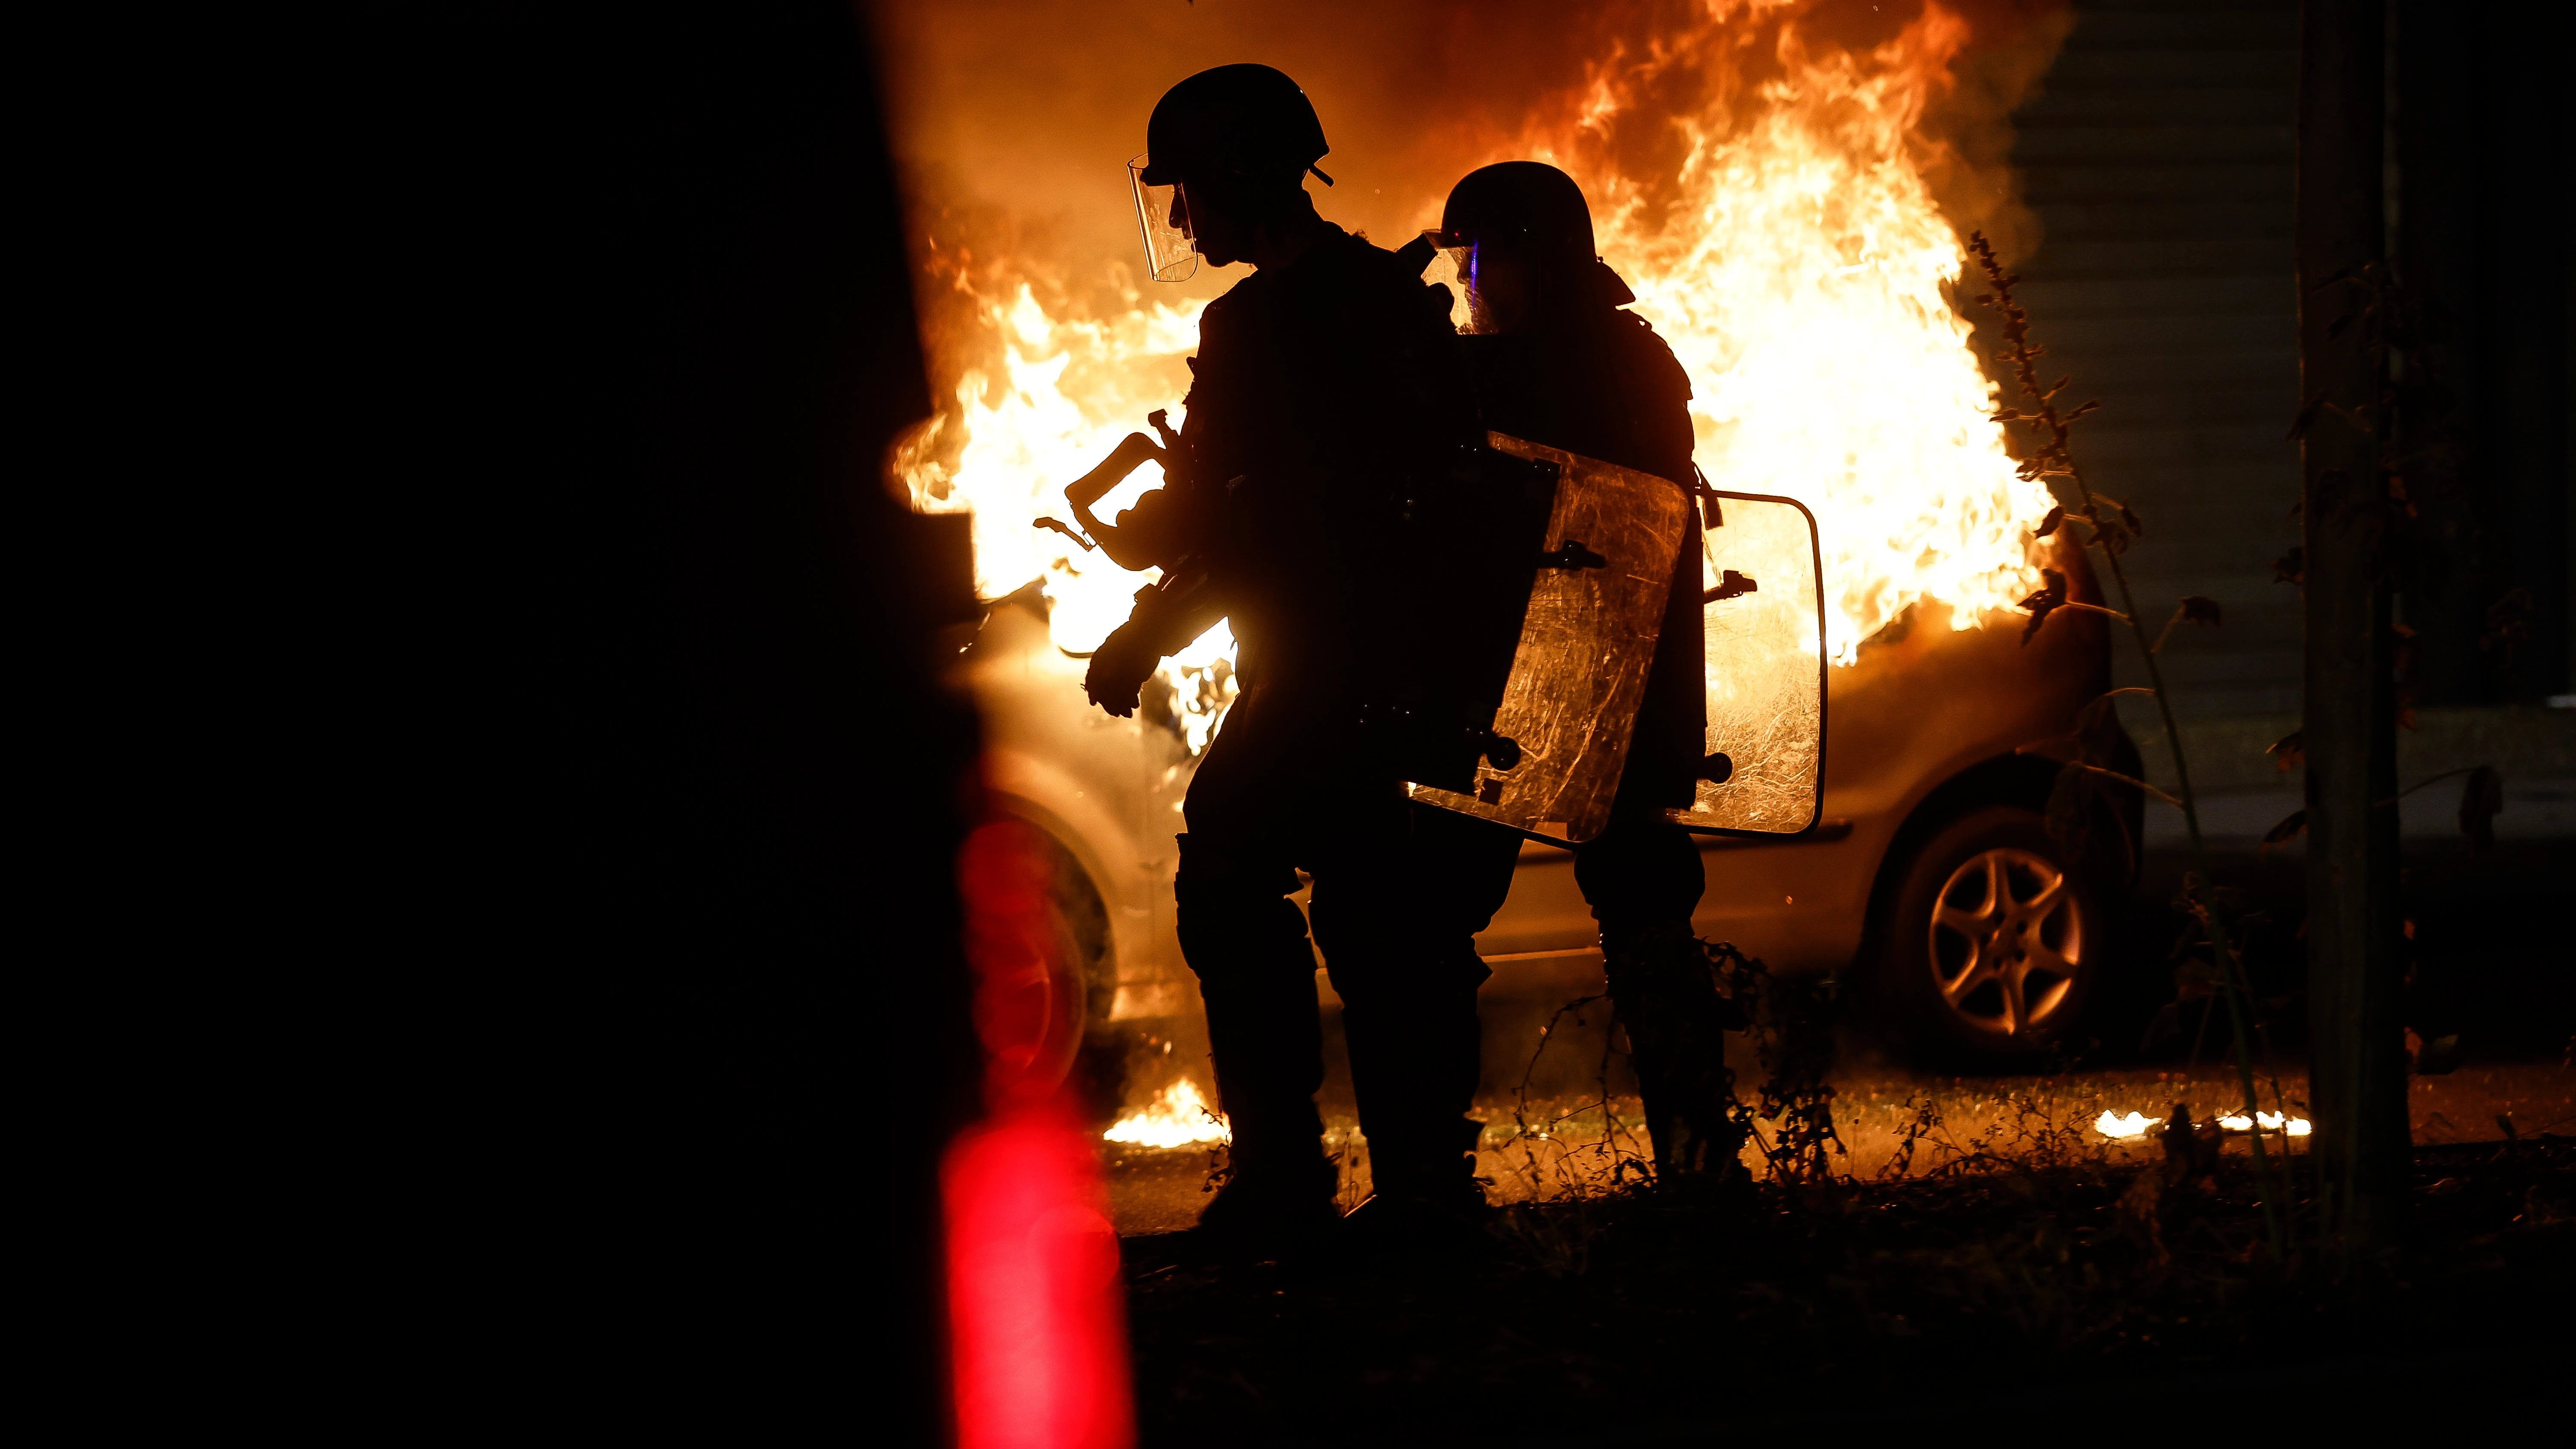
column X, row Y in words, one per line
column 1585, row 376
column 1316, row 387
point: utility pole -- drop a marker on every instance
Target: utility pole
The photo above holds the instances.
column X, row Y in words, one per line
column 2357, row 1064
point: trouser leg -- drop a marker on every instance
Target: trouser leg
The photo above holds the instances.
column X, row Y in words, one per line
column 1247, row 943
column 1640, row 875
column 1396, row 918
column 1644, row 879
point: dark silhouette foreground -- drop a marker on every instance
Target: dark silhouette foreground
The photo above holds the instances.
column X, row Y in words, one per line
column 1970, row 1300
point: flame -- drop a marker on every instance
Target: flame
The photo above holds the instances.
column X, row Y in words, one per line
column 1792, row 254
column 1800, row 269
column 2133, row 1125
column 1066, row 390
column 2113, row 1125
column 1177, row 1118
column 2299, row 1126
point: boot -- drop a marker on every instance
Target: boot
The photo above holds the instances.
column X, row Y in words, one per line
column 1663, row 991
column 1269, row 1209
column 1427, row 1194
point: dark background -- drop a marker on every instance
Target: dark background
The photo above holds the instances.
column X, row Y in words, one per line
column 2159, row 157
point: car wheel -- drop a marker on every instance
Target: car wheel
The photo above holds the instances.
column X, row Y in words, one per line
column 1041, row 972
column 1992, row 944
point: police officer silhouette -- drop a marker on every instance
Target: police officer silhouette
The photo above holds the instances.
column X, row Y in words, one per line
column 1321, row 380
column 1556, row 360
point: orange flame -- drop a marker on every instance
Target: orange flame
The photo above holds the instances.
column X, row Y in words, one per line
column 1177, row 1118
column 1067, row 391
column 2133, row 1126
column 2113, row 1125
column 1792, row 254
column 1798, row 265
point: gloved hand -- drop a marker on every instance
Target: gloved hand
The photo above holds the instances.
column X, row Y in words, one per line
column 1154, row 524
column 1119, row 669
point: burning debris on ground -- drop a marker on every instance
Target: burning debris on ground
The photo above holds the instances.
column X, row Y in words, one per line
column 1992, row 1218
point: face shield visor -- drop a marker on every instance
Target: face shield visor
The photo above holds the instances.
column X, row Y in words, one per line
column 1499, row 274
column 1163, row 218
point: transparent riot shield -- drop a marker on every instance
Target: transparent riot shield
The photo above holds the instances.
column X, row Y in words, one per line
column 1763, row 612
column 1578, row 671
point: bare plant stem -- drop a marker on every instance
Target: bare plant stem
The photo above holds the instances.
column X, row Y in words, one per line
column 2055, row 460
column 2213, row 930
column 2080, row 605
column 2170, row 625
column 2237, row 991
column 2130, row 780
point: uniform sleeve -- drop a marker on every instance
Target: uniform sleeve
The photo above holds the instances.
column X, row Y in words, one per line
column 1661, row 390
column 1214, row 393
column 1427, row 384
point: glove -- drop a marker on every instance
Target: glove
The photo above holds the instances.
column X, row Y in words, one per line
column 1154, row 526
column 1119, row 669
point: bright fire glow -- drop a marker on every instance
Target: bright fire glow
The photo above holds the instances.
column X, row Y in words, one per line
column 2113, row 1125
column 1798, row 266
column 1791, row 254
column 2133, row 1125
column 1177, row 1118
column 1067, row 391
column 2271, row 1123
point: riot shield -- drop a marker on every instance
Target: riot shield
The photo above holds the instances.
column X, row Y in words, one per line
column 1434, row 635
column 1587, row 638
column 1763, row 612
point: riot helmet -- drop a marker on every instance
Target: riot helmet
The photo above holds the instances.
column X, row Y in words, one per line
column 1521, row 234
column 1236, row 131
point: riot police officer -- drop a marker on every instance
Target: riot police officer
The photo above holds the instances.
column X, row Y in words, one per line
column 1556, row 360
column 1320, row 383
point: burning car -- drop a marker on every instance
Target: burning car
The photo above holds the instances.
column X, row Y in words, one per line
column 1931, row 879
column 1797, row 259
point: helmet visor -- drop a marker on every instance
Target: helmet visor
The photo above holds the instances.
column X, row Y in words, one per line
column 1499, row 279
column 1163, row 218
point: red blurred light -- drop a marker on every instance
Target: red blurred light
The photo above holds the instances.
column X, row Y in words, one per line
column 1040, row 1341
column 1027, row 990
column 1038, row 1332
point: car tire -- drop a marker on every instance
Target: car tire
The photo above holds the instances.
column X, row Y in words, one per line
column 1043, row 980
column 1992, row 945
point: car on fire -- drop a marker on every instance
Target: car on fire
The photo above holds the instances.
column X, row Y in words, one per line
column 1931, row 881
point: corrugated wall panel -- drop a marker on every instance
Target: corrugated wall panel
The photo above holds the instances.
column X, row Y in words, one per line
column 2159, row 157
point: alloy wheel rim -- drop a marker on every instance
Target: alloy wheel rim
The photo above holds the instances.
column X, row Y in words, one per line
column 2007, row 941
